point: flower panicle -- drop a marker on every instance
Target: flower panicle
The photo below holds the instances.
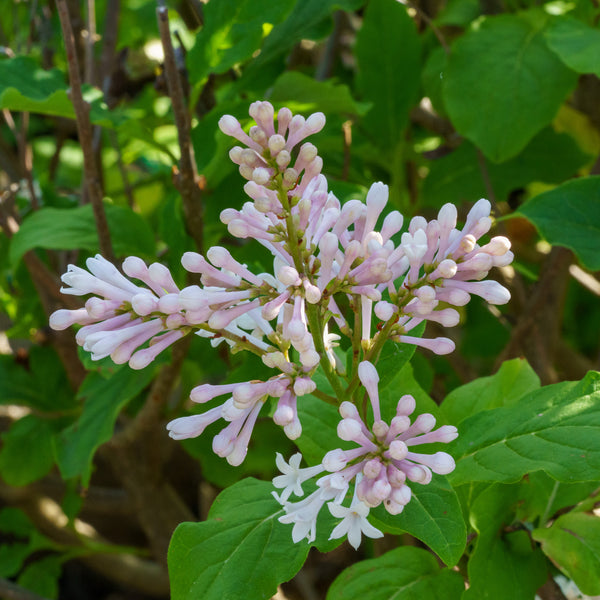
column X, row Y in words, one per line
column 322, row 251
column 381, row 467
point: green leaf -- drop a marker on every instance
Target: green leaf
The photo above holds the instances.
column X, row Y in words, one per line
column 507, row 54
column 458, row 13
column 388, row 51
column 319, row 429
column 550, row 157
column 130, row 234
column 573, row 544
column 104, row 399
column 555, row 429
column 569, row 215
column 433, row 515
column 575, row 43
column 25, row 86
column 541, row 496
column 42, row 576
column 233, row 30
column 26, row 453
column 304, row 94
column 44, row 387
column 303, row 22
column 403, row 383
column 514, row 379
column 394, row 356
column 241, row 541
column 503, row 565
column 408, row 573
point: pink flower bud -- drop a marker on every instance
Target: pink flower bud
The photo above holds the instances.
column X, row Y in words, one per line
column 406, row 405
column 62, row 318
column 372, row 468
column 309, row 359
column 144, row 304
column 169, row 303
column 335, row 460
column 385, row 310
column 349, row 430
column 276, row 144
column 401, row 495
column 315, row 122
column 349, row 411
column 304, row 385
column 283, row 159
column 260, row 175
column 398, row 450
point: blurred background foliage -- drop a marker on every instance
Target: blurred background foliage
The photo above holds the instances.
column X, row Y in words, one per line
column 443, row 100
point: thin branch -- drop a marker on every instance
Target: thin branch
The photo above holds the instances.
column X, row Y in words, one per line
column 90, row 40
column 325, row 66
column 551, row 590
column 186, row 178
column 126, row 569
column 84, row 128
column 152, row 411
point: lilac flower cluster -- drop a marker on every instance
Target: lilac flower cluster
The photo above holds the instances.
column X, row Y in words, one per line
column 380, row 467
column 322, row 251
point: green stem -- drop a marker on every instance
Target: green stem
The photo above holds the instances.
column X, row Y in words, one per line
column 325, row 397
column 314, row 322
column 372, row 354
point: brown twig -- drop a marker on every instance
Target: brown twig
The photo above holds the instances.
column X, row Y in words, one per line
column 137, row 455
column 126, row 569
column 537, row 331
column 551, row 590
column 84, row 128
column 90, row 40
column 429, row 22
column 186, row 178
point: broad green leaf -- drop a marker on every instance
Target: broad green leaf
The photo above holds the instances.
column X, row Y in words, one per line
column 403, row 383
column 104, row 399
column 319, row 429
column 541, row 496
column 408, row 573
column 550, row 157
column 304, row 94
column 506, row 54
column 458, row 13
column 267, row 439
column 514, row 379
column 503, row 564
column 569, row 216
column 573, row 544
column 576, row 44
column 12, row 557
column 394, row 356
column 433, row 515
column 241, row 548
column 42, row 576
column 305, row 21
column 233, row 31
column 555, row 429
column 43, row 387
column 130, row 234
column 25, row 86
column 388, row 51
column 432, row 78
column 26, row 453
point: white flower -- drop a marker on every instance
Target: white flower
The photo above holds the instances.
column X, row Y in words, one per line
column 354, row 523
column 293, row 476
